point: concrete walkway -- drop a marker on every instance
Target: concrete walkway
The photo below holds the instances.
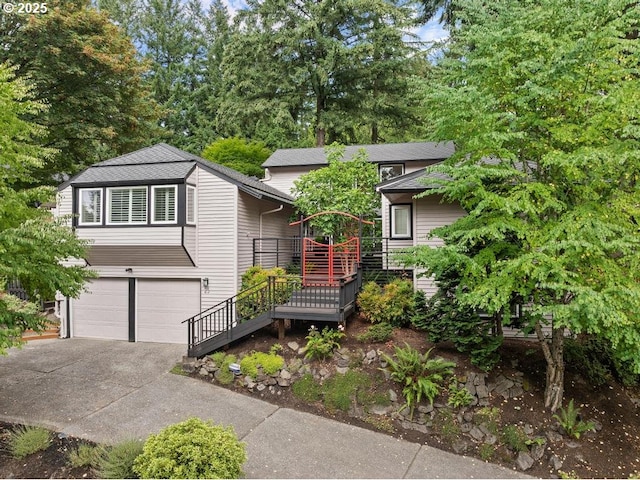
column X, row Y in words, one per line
column 108, row 391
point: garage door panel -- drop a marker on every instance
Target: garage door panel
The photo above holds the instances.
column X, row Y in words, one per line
column 162, row 306
column 103, row 311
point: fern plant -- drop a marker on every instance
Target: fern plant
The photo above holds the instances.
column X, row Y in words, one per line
column 421, row 376
column 570, row 420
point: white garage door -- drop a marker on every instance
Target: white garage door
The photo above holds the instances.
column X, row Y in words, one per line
column 162, row 305
column 103, row 311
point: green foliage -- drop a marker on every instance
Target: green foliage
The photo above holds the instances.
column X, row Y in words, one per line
column 322, row 344
column 87, row 71
column 257, row 297
column 118, row 460
column 270, row 363
column 86, row 456
column 307, row 389
column 458, row 396
column 33, row 245
column 224, row 375
column 317, row 72
column 393, row 303
column 218, row 357
column 419, row 375
column 340, row 390
column 486, row 451
column 377, row 333
column 514, row 437
column 541, row 99
column 342, row 186
column 192, row 449
column 570, row 420
column 445, row 318
column 489, row 417
column 26, row 440
column 594, row 358
column 241, row 155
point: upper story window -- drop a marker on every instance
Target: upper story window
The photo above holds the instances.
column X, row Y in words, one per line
column 126, row 205
column 401, row 219
column 390, row 171
column 90, row 206
column 163, row 204
column 191, row 205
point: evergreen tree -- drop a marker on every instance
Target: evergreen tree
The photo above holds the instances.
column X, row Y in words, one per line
column 315, row 72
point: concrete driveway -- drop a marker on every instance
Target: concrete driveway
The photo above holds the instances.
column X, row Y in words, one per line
column 109, row 391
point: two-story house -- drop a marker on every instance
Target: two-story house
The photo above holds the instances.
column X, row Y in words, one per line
column 171, row 235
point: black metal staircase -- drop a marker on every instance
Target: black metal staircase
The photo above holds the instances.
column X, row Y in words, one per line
column 277, row 298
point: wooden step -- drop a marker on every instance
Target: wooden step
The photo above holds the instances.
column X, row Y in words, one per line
column 50, row 331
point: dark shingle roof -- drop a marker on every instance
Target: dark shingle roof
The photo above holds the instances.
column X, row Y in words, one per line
column 413, row 182
column 390, row 152
column 163, row 163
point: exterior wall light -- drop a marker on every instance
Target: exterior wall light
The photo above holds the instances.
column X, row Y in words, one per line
column 205, row 282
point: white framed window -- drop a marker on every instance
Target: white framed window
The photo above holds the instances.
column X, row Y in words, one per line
column 163, row 204
column 390, row 170
column 401, row 219
column 90, row 211
column 191, row 205
column 126, row 205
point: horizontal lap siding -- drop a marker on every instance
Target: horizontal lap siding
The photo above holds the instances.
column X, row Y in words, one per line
column 217, row 237
column 432, row 214
column 191, row 242
column 386, row 222
column 274, row 225
column 132, row 235
column 282, row 178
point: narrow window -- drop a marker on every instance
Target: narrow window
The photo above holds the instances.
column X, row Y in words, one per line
column 127, row 205
column 390, row 171
column 164, row 204
column 90, row 206
column 191, row 205
column 401, row 221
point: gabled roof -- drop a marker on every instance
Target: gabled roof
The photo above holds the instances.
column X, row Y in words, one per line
column 379, row 153
column 163, row 163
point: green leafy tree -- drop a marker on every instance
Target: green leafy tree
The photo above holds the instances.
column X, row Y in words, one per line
column 543, row 101
column 342, row 186
column 236, row 153
column 32, row 244
column 315, row 72
column 83, row 66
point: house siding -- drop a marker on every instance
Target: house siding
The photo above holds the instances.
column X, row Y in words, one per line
column 430, row 214
column 217, row 237
column 386, row 226
column 282, row 178
column 132, row 235
column 190, row 242
column 64, row 204
column 249, row 226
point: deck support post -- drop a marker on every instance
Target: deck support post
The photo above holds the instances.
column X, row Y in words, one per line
column 281, row 329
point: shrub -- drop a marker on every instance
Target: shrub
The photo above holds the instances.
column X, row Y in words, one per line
column 254, row 299
column 118, row 461
column 445, row 319
column 322, row 344
column 192, row 449
column 392, row 304
column 420, row 375
column 85, row 456
column 26, row 440
column 570, row 420
column 271, row 363
column 377, row 333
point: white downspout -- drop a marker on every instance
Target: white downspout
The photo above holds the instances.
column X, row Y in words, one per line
column 275, row 210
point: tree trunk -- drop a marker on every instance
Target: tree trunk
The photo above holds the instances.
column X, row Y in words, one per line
column 554, row 355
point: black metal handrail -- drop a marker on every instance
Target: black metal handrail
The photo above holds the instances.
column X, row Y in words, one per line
column 263, row 298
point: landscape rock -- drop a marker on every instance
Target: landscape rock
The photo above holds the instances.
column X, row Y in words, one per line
column 476, row 433
column 537, row 452
column 461, row 446
column 524, row 461
column 393, row 396
column 293, row 346
column 554, row 437
column 555, row 462
column 490, row 439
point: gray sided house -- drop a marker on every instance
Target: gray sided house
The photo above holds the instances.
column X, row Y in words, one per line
column 171, row 235
column 406, row 221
